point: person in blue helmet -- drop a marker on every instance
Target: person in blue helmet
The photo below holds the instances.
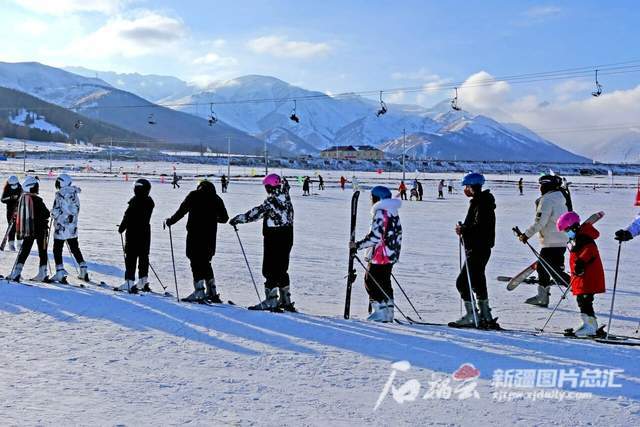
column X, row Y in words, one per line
column 478, row 235
column 383, row 241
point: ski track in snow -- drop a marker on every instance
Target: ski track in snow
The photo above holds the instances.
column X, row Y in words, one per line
column 90, row 356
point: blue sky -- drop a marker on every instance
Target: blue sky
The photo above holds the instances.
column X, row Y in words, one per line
column 338, row 46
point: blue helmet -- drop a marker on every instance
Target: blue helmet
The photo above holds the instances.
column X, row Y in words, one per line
column 473, row 178
column 380, row 192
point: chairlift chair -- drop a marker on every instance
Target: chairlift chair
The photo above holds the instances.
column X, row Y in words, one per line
column 454, row 102
column 213, row 118
column 598, row 90
column 293, row 116
column 383, row 107
column 151, row 120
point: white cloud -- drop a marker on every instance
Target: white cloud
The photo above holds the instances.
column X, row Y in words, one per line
column 31, row 27
column 541, row 12
column 64, row 7
column 146, row 33
column 570, row 88
column 212, row 58
column 283, row 48
column 482, row 91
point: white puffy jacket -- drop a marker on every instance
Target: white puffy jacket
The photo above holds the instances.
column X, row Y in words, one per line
column 549, row 207
column 66, row 208
column 634, row 228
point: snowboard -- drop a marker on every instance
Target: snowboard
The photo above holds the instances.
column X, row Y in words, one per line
column 351, row 272
column 524, row 275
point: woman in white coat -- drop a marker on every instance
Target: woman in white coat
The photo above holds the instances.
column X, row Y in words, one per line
column 66, row 208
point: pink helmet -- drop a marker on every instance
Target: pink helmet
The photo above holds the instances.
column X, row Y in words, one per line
column 272, row 180
column 567, row 220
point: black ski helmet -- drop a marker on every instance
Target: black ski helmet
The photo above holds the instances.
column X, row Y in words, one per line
column 206, row 185
column 142, row 187
column 549, row 183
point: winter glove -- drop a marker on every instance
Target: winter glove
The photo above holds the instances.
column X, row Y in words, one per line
column 168, row 222
column 523, row 238
column 578, row 269
column 70, row 219
column 623, row 235
column 234, row 221
column 121, row 229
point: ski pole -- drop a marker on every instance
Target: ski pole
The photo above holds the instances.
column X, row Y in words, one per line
column 380, row 289
column 247, row 262
column 615, row 283
column 157, row 277
column 75, row 263
column 471, row 294
column 46, row 243
column 173, row 261
column 564, row 295
column 407, row 297
column 460, row 267
column 124, row 252
column 549, row 269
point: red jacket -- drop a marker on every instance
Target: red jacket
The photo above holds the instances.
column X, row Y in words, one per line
column 587, row 274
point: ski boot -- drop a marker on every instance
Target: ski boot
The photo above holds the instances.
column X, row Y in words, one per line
column 198, row 294
column 212, row 295
column 379, row 313
column 285, row 300
column 15, row 273
column 42, row 275
column 588, row 328
column 61, row 275
column 487, row 321
column 128, row 286
column 12, row 246
column 84, row 272
column 466, row 321
column 388, row 318
column 271, row 301
column 542, row 299
column 143, row 284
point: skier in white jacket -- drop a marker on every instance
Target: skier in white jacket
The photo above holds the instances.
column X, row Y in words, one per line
column 66, row 208
column 549, row 207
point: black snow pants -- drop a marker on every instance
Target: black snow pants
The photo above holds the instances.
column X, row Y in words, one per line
column 555, row 258
column 585, row 302
column 278, row 242
column 25, row 249
column 201, row 267
column 380, row 274
column 58, row 246
column 477, row 260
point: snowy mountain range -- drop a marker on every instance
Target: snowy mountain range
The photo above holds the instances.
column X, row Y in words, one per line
column 98, row 100
column 438, row 132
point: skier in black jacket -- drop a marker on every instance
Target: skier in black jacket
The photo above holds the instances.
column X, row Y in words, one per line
column 136, row 223
column 10, row 197
column 206, row 209
column 478, row 235
column 277, row 229
column 32, row 224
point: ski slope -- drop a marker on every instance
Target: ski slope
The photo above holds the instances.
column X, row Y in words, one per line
column 94, row 357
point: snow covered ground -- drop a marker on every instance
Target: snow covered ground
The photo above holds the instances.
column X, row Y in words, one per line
column 92, row 357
